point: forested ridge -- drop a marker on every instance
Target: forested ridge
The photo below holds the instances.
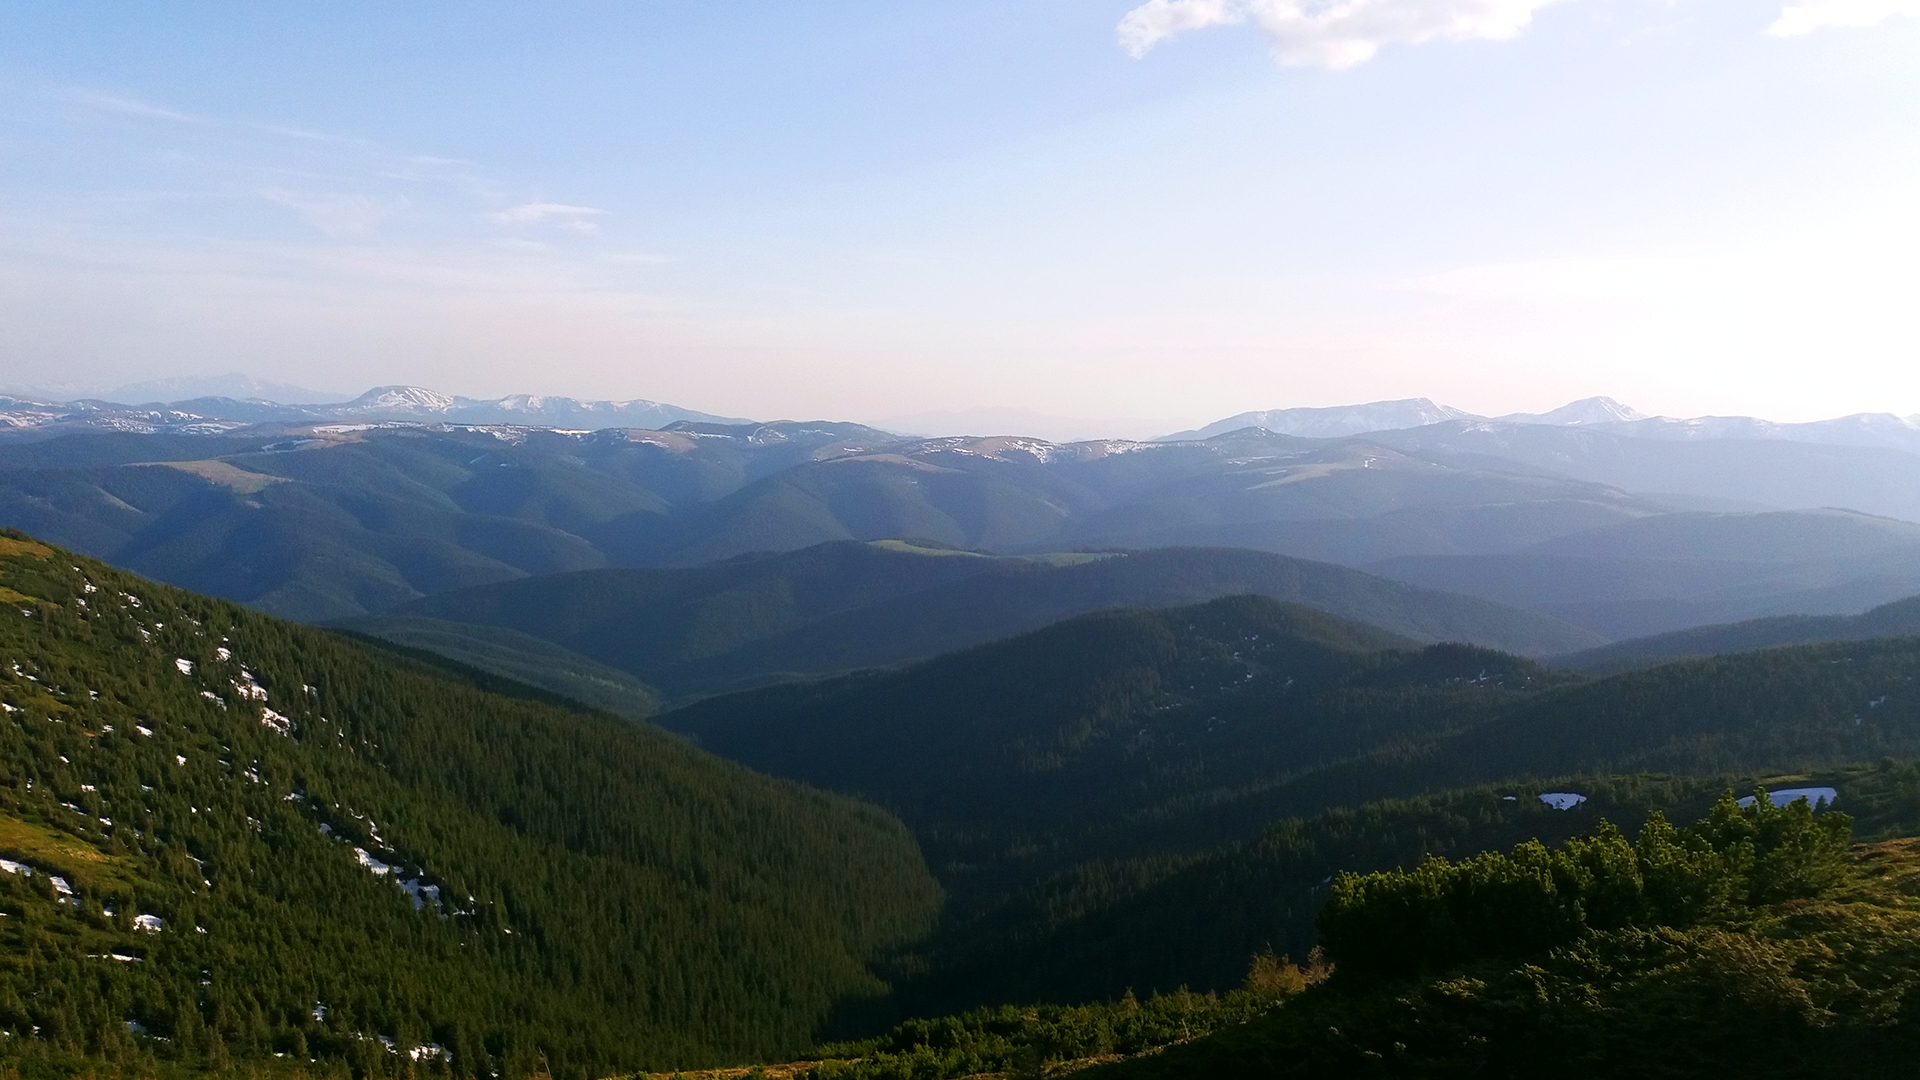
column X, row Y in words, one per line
column 840, row 607
column 1142, row 799
column 230, row 837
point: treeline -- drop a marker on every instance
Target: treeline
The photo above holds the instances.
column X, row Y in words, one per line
column 1440, row 914
column 536, row 887
column 1751, row 942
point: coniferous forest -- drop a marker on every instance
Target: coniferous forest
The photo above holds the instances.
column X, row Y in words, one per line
column 233, row 839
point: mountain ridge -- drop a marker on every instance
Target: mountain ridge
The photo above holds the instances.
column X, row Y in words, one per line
column 843, row 606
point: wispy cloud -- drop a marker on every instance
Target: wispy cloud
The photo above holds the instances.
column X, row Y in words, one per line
column 578, row 219
column 1335, row 35
column 127, row 106
column 336, row 213
column 1797, row 19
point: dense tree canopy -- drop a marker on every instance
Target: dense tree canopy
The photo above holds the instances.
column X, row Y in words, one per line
column 230, row 837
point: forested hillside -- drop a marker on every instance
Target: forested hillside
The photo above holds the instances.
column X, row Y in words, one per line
column 1075, row 788
column 1116, row 734
column 229, row 837
column 842, row 606
column 1427, row 909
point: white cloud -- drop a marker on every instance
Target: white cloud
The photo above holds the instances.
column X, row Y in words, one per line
column 575, row 218
column 1797, row 19
column 1157, row 20
column 1339, row 33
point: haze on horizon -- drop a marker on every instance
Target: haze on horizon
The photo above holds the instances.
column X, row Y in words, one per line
column 1158, row 214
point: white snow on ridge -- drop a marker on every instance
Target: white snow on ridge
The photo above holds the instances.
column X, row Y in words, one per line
column 1562, row 800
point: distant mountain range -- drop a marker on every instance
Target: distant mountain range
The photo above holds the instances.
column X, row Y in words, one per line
column 205, row 415
column 1598, row 413
column 327, row 520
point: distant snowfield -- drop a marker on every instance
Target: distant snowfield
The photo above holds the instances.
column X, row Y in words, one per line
column 1562, row 800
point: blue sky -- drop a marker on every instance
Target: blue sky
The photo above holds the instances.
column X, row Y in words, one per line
column 1148, row 214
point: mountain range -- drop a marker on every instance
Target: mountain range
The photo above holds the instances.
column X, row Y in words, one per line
column 1599, row 413
column 381, row 404
column 1619, row 535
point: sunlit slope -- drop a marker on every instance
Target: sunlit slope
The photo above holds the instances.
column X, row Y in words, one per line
column 337, row 845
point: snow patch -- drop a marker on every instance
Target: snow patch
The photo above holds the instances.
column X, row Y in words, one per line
column 1562, row 800
column 378, row 868
column 1816, row 796
column 149, row 924
column 185, row 665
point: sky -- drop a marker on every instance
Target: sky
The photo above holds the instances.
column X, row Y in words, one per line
column 1143, row 216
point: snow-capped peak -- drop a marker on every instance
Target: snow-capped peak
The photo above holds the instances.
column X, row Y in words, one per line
column 1593, row 410
column 401, row 399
